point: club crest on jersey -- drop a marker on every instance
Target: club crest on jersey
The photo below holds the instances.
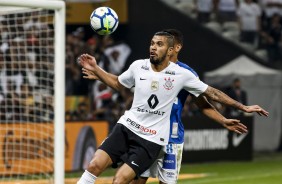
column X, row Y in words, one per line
column 154, row 85
column 168, row 83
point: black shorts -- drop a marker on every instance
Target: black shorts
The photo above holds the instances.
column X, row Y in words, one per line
column 124, row 145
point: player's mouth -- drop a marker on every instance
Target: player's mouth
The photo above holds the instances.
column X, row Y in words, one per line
column 153, row 54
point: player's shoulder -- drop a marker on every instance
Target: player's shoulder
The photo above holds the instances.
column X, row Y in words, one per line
column 140, row 64
column 186, row 67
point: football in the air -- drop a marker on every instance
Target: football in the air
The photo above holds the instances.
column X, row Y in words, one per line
column 104, row 20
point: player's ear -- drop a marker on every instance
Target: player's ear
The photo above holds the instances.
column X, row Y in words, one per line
column 170, row 50
column 177, row 47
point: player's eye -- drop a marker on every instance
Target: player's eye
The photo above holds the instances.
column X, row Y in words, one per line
column 160, row 44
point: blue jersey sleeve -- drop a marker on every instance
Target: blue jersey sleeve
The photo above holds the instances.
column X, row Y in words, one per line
column 176, row 112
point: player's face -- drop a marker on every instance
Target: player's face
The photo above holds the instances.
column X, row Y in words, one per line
column 159, row 50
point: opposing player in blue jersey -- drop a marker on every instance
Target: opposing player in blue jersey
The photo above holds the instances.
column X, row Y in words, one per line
column 157, row 82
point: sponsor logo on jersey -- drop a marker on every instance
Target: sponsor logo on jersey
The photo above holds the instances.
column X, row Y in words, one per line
column 154, row 85
column 145, row 67
column 153, row 101
column 170, row 72
column 168, row 83
column 140, row 128
column 159, row 113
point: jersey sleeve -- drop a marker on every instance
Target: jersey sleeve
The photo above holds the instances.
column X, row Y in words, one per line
column 127, row 78
column 193, row 84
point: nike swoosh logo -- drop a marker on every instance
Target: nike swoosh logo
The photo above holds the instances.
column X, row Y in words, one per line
column 133, row 163
column 142, row 78
column 238, row 139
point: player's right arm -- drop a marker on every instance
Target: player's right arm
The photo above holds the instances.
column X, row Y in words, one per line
column 210, row 111
column 91, row 76
column 89, row 63
column 218, row 96
column 196, row 87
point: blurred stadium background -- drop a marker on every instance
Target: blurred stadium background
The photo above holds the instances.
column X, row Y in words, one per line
column 215, row 45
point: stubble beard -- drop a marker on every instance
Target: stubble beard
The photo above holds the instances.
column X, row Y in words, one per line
column 158, row 61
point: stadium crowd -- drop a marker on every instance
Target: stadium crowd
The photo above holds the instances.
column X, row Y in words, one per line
column 27, row 84
column 26, row 70
column 255, row 25
column 105, row 103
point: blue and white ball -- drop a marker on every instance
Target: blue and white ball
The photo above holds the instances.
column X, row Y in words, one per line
column 104, row 20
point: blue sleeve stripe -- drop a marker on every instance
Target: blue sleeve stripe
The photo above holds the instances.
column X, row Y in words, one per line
column 188, row 68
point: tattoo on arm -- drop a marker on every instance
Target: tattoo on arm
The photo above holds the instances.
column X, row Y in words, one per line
column 219, row 96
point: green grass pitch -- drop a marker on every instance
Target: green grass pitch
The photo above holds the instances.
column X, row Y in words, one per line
column 264, row 169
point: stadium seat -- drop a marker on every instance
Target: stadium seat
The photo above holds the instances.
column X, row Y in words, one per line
column 262, row 53
column 247, row 46
column 215, row 26
column 233, row 35
column 230, row 26
column 186, row 7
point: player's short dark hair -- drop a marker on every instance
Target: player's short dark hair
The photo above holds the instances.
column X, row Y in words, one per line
column 178, row 36
column 170, row 37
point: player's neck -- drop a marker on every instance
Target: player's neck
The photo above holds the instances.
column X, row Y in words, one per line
column 174, row 59
column 160, row 67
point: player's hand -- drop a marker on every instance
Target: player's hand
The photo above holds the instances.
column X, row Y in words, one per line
column 257, row 109
column 89, row 75
column 87, row 61
column 235, row 126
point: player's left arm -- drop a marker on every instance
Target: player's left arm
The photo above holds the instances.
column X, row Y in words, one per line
column 209, row 110
column 218, row 96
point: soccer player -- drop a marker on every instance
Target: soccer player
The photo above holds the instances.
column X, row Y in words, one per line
column 144, row 129
column 168, row 173
column 176, row 140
